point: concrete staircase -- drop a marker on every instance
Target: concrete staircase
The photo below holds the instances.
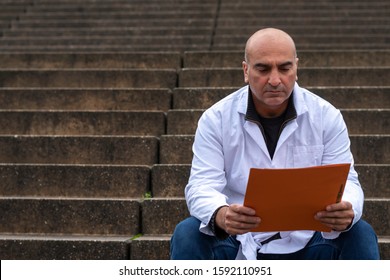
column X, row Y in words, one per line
column 99, row 102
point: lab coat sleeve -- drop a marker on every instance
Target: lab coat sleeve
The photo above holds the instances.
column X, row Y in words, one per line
column 207, row 179
column 337, row 150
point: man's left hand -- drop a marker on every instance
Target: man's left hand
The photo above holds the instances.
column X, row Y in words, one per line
column 338, row 216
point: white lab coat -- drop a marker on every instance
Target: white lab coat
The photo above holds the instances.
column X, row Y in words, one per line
column 226, row 146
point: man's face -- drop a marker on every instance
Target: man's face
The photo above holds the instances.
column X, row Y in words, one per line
column 271, row 71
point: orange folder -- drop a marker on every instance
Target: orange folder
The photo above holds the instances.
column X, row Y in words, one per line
column 288, row 199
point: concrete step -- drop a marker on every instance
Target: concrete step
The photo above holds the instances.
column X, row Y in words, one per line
column 161, row 60
column 374, row 179
column 160, row 216
column 166, row 22
column 142, row 6
column 258, row 11
column 374, row 211
column 146, row 247
column 371, row 149
column 303, row 5
column 69, row 216
column 298, row 29
column 317, row 39
column 88, row 78
column 306, row 46
column 291, row 20
column 140, row 47
column 142, row 150
column 106, row 32
column 121, row 13
column 131, row 123
column 353, row 58
column 341, row 97
column 73, row 41
column 62, row 247
column 151, row 247
column 156, row 247
column 359, row 121
column 169, row 180
column 85, row 99
column 338, row 76
column 367, row 149
column 74, row 181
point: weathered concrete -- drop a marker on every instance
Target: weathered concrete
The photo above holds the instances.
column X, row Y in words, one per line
column 132, row 123
column 85, row 99
column 160, row 216
column 150, row 247
column 169, row 180
column 69, row 216
column 165, row 60
column 46, row 247
column 139, row 78
column 74, row 181
column 141, row 150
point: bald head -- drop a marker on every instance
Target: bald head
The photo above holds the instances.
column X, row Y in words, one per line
column 269, row 38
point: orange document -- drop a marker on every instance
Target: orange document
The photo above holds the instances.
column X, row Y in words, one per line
column 288, row 199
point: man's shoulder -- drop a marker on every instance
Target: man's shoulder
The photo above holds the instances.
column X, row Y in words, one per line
column 311, row 100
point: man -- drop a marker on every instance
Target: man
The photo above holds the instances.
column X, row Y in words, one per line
column 271, row 123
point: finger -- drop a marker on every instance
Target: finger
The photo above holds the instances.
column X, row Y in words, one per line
column 343, row 205
column 240, row 209
column 240, row 220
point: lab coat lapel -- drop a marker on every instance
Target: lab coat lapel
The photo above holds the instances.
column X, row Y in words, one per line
column 251, row 128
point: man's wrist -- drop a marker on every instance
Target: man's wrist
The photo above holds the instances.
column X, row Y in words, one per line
column 216, row 230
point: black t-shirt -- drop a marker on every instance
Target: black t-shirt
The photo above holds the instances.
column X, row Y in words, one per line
column 271, row 128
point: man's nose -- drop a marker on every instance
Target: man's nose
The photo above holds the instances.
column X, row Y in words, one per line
column 274, row 78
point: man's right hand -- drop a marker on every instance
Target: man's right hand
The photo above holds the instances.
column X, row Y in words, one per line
column 237, row 219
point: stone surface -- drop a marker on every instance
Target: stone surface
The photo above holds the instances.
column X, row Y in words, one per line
column 64, row 248
column 90, row 60
column 69, row 123
column 88, row 79
column 175, row 149
column 161, row 215
column 79, row 149
column 69, row 216
column 150, row 247
column 71, row 181
column 169, row 180
column 86, row 99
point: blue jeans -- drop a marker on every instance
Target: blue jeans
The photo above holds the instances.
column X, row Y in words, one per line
column 359, row 243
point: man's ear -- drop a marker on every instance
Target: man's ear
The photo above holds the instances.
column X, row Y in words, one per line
column 245, row 68
column 296, row 63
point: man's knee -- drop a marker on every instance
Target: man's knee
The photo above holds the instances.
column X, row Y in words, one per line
column 187, row 229
column 362, row 229
column 187, row 241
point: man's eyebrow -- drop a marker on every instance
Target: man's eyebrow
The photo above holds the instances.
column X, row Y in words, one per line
column 287, row 63
column 265, row 65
